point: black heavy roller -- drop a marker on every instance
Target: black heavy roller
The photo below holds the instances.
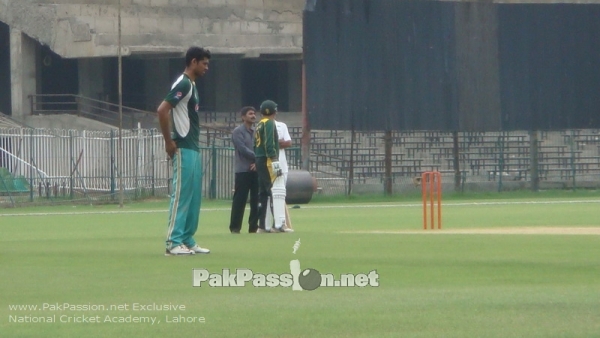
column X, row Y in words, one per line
column 299, row 187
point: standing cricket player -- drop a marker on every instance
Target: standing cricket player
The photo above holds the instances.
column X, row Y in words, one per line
column 180, row 127
column 266, row 151
column 280, row 213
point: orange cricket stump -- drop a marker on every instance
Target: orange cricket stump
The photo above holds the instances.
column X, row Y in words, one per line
column 431, row 189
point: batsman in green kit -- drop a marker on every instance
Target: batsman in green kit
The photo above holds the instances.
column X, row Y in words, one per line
column 180, row 126
column 266, row 152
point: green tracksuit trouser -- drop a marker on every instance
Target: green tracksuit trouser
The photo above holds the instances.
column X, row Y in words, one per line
column 184, row 211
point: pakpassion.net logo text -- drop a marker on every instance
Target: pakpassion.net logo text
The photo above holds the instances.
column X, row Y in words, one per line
column 297, row 279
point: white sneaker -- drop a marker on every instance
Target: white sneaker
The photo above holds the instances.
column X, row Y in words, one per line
column 262, row 231
column 286, row 229
column 197, row 249
column 179, row 250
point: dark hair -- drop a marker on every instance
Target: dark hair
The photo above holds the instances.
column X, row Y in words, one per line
column 197, row 53
column 246, row 109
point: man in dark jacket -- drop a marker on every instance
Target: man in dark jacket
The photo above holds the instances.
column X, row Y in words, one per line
column 246, row 177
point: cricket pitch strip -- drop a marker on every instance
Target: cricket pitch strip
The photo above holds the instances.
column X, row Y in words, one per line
column 491, row 231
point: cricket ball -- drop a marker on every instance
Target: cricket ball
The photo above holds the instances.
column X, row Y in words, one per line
column 309, row 279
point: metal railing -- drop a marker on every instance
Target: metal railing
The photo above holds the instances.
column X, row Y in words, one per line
column 106, row 112
column 8, row 122
column 54, row 165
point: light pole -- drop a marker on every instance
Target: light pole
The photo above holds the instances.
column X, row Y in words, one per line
column 121, row 192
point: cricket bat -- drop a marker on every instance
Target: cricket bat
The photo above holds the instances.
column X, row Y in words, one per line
column 288, row 219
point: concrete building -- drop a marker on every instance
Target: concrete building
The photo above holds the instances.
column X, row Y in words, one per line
column 71, row 47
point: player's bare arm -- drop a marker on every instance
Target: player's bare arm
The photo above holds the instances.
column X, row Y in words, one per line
column 285, row 144
column 164, row 122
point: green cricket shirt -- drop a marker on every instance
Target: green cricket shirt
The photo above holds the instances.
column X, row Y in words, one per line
column 266, row 140
column 185, row 123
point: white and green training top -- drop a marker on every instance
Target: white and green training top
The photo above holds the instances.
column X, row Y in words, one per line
column 185, row 123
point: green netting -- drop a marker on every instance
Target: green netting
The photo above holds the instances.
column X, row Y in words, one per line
column 20, row 184
column 8, row 183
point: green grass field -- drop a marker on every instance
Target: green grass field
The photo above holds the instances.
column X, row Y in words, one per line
column 537, row 275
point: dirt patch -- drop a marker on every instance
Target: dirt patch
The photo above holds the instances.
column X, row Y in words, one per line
column 493, row 231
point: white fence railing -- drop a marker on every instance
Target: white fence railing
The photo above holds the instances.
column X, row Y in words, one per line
column 64, row 163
